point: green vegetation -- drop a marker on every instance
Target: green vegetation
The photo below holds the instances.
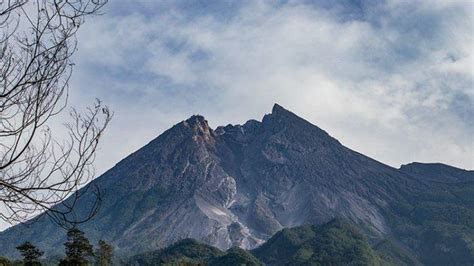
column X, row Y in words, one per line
column 392, row 254
column 30, row 254
column 191, row 252
column 78, row 248
column 104, row 253
column 438, row 223
column 236, row 256
column 334, row 243
column 184, row 252
column 78, row 252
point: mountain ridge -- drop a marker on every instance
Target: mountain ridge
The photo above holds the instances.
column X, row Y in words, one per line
column 438, row 172
column 239, row 184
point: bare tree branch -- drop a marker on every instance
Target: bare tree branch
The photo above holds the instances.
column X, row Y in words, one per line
column 38, row 171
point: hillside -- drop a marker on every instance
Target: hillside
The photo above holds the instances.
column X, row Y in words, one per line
column 191, row 252
column 187, row 251
column 333, row 243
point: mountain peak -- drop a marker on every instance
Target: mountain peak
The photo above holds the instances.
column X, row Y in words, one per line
column 278, row 108
column 279, row 112
column 281, row 118
column 196, row 121
column 199, row 127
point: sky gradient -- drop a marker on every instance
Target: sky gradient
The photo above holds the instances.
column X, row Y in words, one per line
column 390, row 79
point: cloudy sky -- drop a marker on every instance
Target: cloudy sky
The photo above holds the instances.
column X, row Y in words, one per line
column 390, row 79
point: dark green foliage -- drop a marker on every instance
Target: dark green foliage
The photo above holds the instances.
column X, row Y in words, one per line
column 437, row 223
column 4, row 261
column 285, row 243
column 236, row 256
column 78, row 249
column 104, row 253
column 30, row 254
column 392, row 254
column 447, row 244
column 191, row 252
column 187, row 251
column 334, row 243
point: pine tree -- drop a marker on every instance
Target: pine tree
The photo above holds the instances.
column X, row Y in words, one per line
column 30, row 254
column 104, row 253
column 78, row 249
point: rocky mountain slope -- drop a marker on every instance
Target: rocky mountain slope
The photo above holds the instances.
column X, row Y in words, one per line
column 238, row 185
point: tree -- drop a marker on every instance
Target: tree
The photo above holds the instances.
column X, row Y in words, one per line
column 104, row 253
column 38, row 169
column 30, row 254
column 78, row 249
column 4, row 261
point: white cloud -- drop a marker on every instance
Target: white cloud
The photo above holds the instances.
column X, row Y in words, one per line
column 396, row 86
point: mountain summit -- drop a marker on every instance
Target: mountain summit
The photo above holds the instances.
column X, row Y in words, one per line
column 237, row 185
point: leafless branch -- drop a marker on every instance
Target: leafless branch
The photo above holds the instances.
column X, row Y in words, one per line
column 38, row 171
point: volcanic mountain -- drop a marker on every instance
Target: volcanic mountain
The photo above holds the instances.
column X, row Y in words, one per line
column 237, row 185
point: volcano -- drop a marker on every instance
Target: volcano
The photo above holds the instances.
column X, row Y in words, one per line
column 237, row 185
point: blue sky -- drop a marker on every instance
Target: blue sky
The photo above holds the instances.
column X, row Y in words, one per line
column 390, row 79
